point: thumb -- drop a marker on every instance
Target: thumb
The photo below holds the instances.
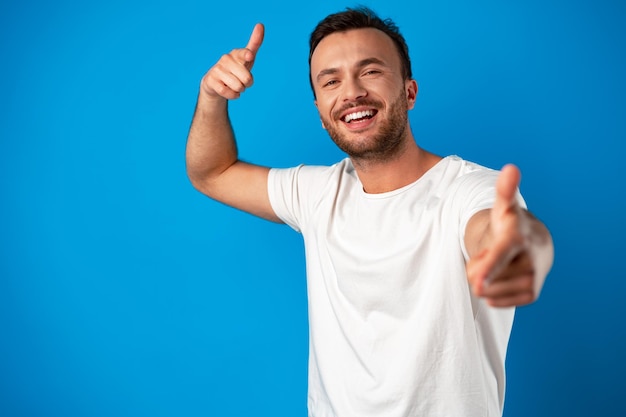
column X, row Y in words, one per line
column 506, row 188
column 256, row 38
column 254, row 43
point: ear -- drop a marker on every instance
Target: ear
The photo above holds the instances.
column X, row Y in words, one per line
column 411, row 93
column 318, row 110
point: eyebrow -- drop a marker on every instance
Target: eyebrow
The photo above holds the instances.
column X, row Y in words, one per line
column 362, row 63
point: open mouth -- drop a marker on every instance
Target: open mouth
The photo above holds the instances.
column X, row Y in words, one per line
column 359, row 116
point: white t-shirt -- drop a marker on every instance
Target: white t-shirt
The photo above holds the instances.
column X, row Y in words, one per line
column 394, row 328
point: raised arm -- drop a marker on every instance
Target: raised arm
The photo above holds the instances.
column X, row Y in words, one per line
column 511, row 252
column 212, row 161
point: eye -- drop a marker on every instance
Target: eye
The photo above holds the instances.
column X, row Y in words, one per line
column 372, row 72
column 330, row 83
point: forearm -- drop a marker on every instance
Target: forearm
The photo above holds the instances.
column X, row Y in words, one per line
column 211, row 146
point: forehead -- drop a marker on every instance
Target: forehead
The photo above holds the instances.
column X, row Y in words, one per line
column 343, row 48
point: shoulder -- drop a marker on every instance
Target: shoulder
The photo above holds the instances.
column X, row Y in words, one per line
column 464, row 166
column 466, row 186
column 467, row 173
column 308, row 183
column 297, row 193
column 454, row 174
column 313, row 175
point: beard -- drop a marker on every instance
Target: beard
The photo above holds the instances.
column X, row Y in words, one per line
column 378, row 146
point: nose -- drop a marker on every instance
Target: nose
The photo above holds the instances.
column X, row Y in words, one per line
column 353, row 90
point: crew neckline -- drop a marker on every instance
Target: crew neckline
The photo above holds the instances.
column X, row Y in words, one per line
column 443, row 161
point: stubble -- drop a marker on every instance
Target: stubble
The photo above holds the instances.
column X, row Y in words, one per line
column 382, row 145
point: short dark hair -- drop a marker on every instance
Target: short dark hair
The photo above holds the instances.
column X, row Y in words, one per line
column 359, row 18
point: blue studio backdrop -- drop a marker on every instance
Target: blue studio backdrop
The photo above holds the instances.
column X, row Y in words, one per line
column 124, row 292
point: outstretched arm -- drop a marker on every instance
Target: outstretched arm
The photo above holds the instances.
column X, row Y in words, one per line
column 212, row 161
column 511, row 252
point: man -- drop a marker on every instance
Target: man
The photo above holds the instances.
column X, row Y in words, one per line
column 414, row 261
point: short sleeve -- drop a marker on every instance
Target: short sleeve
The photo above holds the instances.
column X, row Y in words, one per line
column 297, row 194
column 284, row 195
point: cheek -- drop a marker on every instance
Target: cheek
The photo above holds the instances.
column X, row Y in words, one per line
column 325, row 106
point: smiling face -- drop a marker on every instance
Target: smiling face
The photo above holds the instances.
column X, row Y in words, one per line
column 361, row 95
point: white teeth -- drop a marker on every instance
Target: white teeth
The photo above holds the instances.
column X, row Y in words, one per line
column 358, row 115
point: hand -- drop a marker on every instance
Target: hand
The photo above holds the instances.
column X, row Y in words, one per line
column 510, row 267
column 231, row 75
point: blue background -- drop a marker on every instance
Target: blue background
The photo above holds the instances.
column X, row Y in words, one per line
column 125, row 292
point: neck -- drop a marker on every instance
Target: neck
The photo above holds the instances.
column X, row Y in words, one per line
column 403, row 168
